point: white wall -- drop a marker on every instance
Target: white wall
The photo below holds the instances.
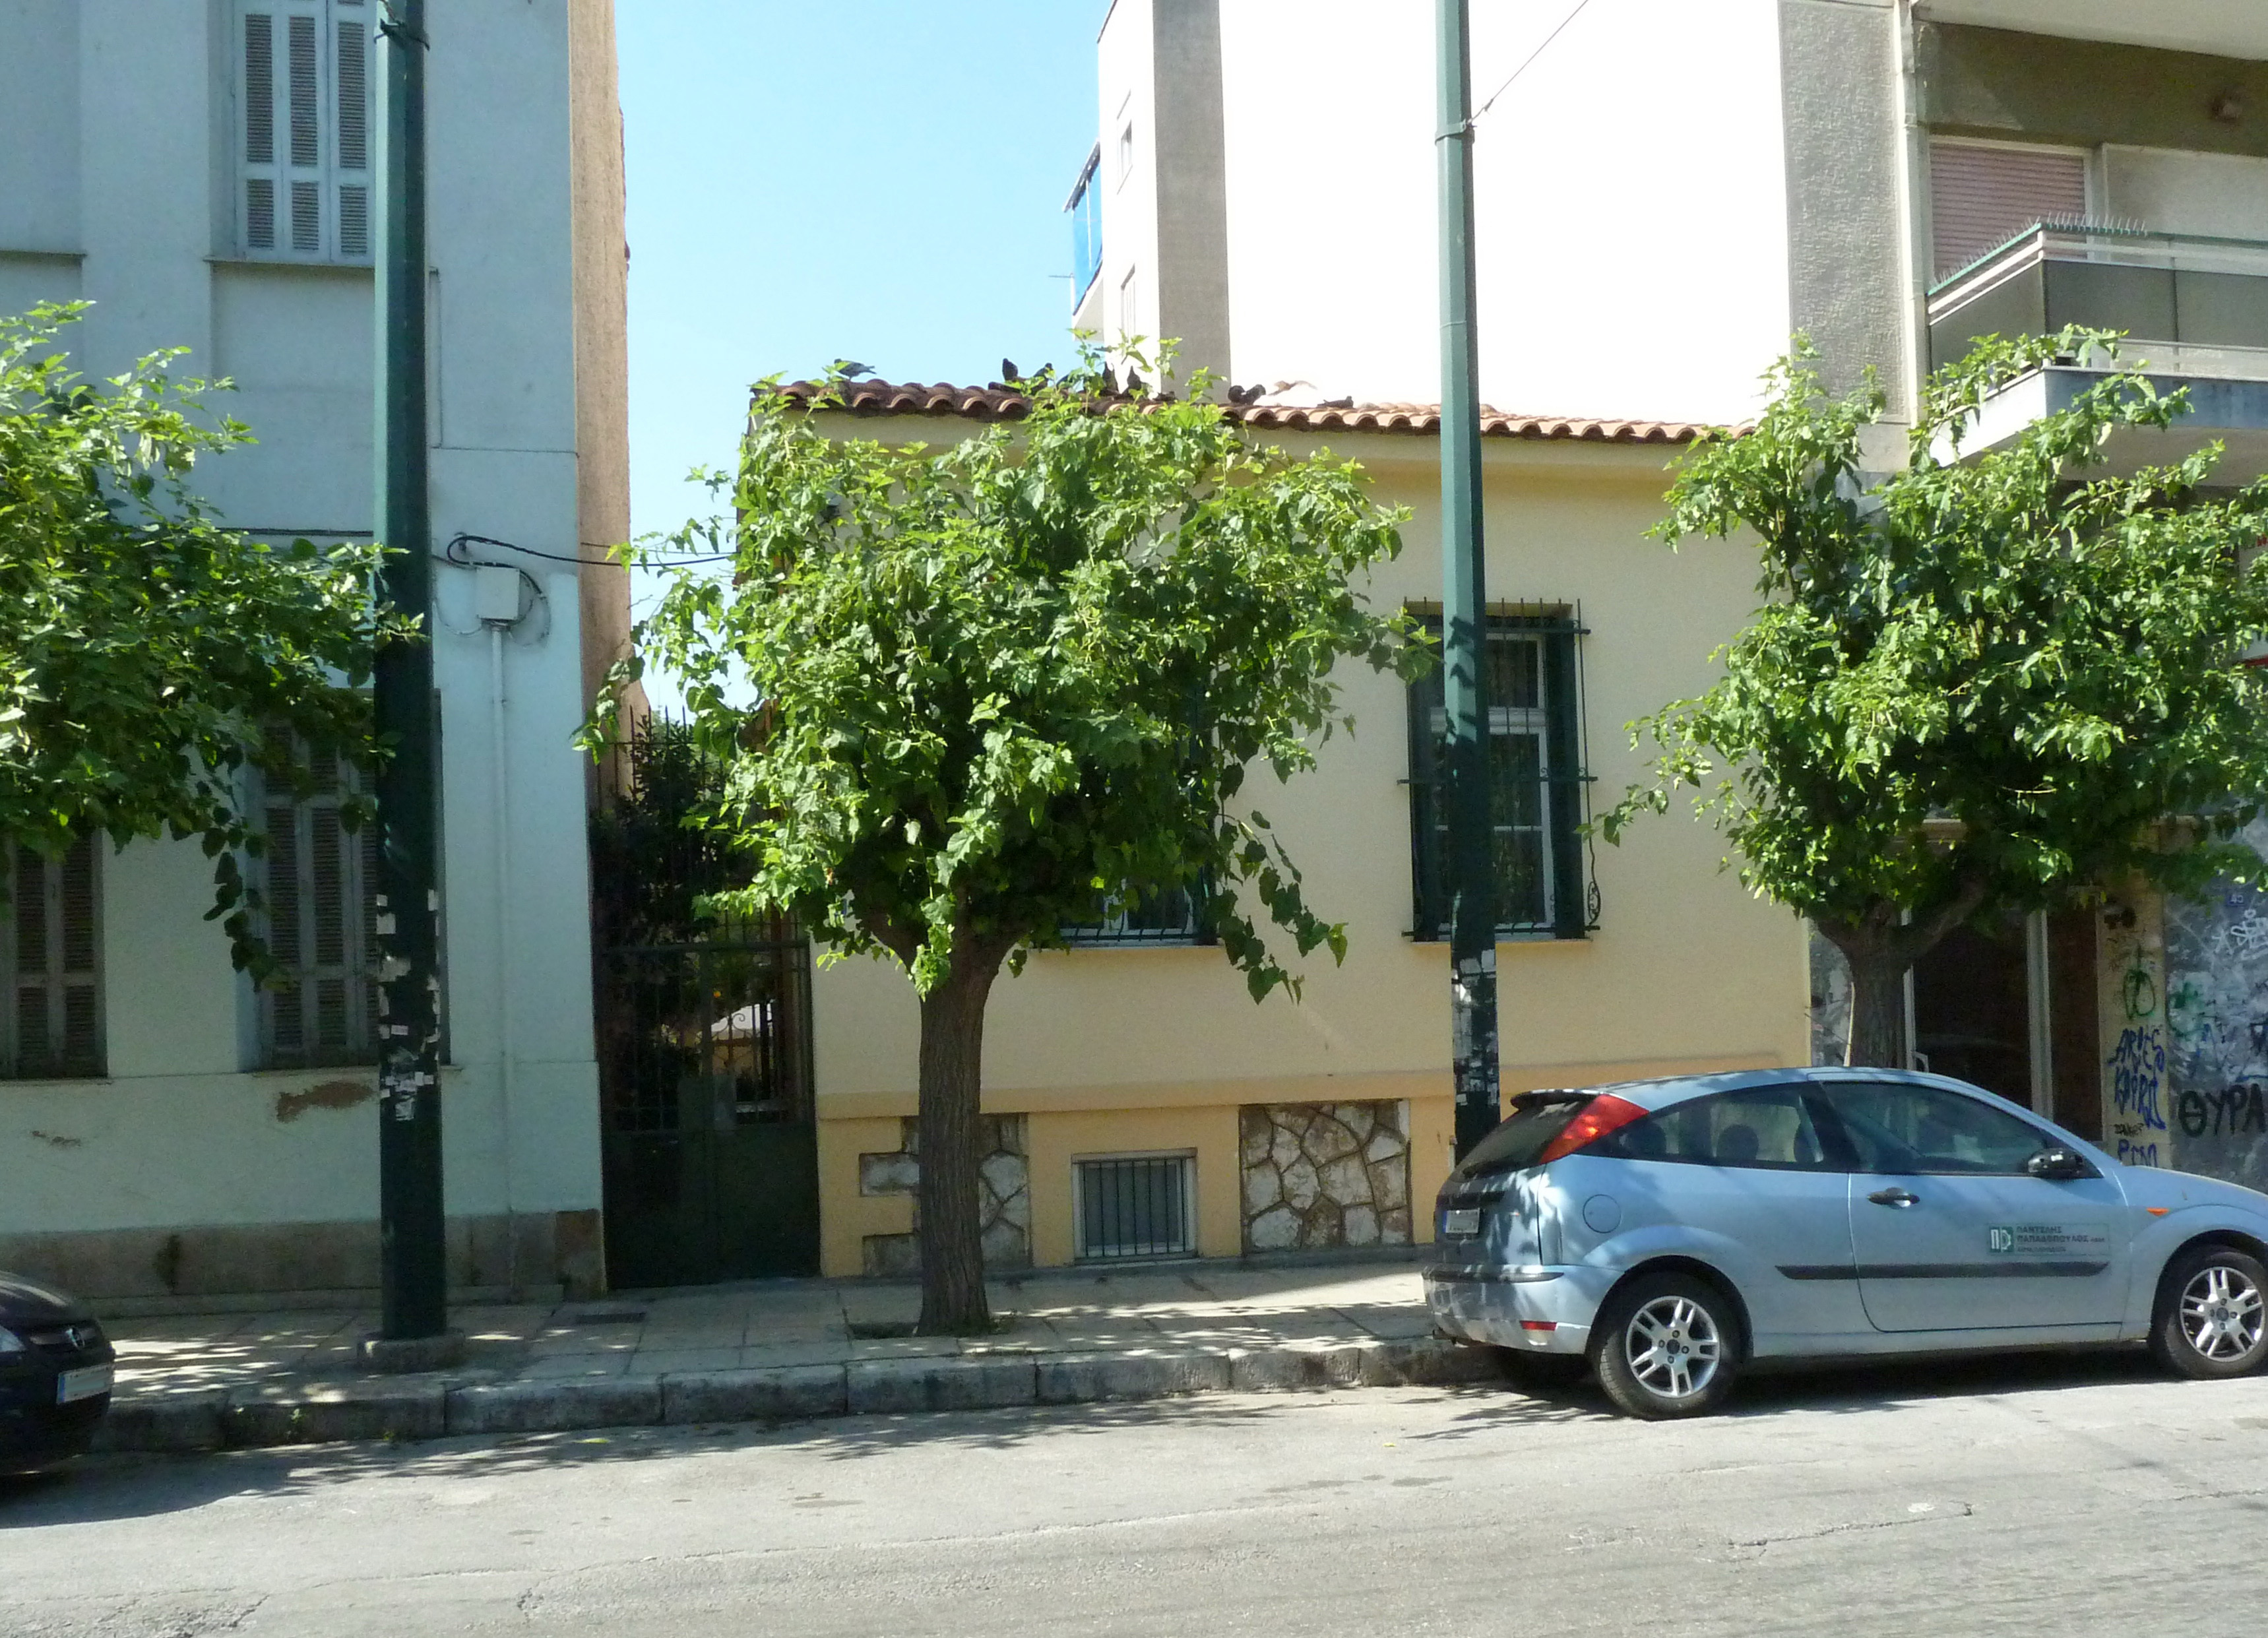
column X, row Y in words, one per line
column 1629, row 196
column 185, row 1130
column 2224, row 194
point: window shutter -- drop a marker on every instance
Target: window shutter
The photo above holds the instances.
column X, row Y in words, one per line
column 305, row 93
column 318, row 884
column 258, row 101
column 353, row 91
column 55, row 1000
column 1982, row 197
column 307, row 119
column 287, row 1028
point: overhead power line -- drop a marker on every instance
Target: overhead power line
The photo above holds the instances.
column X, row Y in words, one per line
column 1522, row 69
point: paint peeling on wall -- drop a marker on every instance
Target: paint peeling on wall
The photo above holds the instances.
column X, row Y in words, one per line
column 325, row 1095
column 2216, row 1028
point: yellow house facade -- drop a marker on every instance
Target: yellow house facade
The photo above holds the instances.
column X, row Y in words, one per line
column 1141, row 1103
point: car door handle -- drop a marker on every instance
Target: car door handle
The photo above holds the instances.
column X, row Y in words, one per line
column 1895, row 1197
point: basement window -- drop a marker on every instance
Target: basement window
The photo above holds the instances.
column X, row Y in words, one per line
column 1135, row 1206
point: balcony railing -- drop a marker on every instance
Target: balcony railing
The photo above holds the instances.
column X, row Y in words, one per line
column 2192, row 305
column 1084, row 209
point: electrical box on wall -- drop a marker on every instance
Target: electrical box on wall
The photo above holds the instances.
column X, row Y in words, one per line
column 496, row 595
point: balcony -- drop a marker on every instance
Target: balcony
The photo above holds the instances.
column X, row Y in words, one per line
column 1084, row 209
column 2194, row 312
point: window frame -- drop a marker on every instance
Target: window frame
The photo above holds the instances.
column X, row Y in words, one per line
column 61, row 976
column 1571, row 899
column 1112, row 932
column 335, row 182
column 1084, row 1253
column 359, row 966
column 1835, row 1155
column 1827, row 1091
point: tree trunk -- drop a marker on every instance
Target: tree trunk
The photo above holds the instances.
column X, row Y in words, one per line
column 952, row 1076
column 1880, row 946
column 1878, row 1011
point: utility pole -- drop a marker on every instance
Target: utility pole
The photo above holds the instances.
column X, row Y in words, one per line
column 413, row 1310
column 1464, row 605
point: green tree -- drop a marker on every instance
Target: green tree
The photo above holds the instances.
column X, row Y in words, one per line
column 148, row 655
column 1977, row 686
column 1014, row 684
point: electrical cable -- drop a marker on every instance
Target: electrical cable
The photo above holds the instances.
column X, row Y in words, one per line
column 461, row 538
column 1522, row 69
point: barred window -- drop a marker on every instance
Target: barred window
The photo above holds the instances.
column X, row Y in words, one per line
column 1536, row 779
column 51, row 1010
column 1167, row 918
column 303, row 111
column 321, row 884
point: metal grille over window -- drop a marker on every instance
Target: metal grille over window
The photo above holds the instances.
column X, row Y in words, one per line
column 1136, row 1205
column 322, row 926
column 1536, row 779
column 1167, row 918
column 305, row 197
column 53, row 1004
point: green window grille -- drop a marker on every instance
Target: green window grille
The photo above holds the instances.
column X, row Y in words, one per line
column 1167, row 918
column 1538, row 784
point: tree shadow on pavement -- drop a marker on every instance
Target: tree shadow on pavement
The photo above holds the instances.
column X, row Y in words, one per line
column 138, row 1485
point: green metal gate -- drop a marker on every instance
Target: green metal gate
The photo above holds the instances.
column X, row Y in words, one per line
column 704, row 1038
column 711, row 1152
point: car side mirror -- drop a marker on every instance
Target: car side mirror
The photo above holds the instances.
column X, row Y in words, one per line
column 2058, row 1162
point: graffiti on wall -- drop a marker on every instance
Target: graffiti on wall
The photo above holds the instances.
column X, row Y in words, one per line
column 2134, row 1073
column 2215, row 1023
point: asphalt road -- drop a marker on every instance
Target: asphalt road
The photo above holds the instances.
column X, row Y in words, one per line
column 2078, row 1495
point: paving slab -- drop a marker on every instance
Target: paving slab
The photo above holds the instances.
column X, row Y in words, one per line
column 779, row 1350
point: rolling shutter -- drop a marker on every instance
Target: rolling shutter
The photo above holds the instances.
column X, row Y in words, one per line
column 1981, row 197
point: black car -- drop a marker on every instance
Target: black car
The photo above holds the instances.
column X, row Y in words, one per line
column 55, row 1370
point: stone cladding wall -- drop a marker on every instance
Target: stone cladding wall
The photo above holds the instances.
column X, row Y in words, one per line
column 1318, row 1175
column 1004, row 1206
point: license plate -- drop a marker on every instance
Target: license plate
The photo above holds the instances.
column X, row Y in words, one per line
column 1461, row 1224
column 83, row 1384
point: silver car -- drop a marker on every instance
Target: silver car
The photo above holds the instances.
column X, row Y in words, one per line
column 1670, row 1231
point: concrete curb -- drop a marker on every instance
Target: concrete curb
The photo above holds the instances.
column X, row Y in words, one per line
column 408, row 1408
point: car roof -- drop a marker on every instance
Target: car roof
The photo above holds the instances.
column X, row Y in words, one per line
column 1661, row 1091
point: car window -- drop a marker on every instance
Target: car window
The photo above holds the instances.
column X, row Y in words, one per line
column 1895, row 1127
column 1536, row 1118
column 1769, row 1127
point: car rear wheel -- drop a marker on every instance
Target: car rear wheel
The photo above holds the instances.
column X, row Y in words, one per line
column 1665, row 1346
column 2213, row 1314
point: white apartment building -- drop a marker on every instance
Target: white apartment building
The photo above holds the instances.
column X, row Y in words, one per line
column 201, row 170
column 1666, row 193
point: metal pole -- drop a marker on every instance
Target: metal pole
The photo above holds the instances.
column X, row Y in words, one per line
column 1464, row 606
column 412, row 1248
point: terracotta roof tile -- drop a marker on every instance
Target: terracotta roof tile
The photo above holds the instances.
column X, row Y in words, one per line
column 996, row 403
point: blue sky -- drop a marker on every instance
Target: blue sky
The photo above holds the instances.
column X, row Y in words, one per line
column 876, row 180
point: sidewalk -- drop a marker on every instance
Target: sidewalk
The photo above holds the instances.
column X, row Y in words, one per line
column 777, row 1350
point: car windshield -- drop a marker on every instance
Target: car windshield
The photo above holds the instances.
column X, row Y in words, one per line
column 1536, row 1118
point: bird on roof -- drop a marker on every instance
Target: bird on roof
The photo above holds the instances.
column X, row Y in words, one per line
column 849, row 369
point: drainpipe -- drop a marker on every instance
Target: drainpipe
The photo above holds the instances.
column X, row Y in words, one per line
column 495, row 599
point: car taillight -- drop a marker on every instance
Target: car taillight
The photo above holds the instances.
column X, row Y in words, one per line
column 1601, row 1114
